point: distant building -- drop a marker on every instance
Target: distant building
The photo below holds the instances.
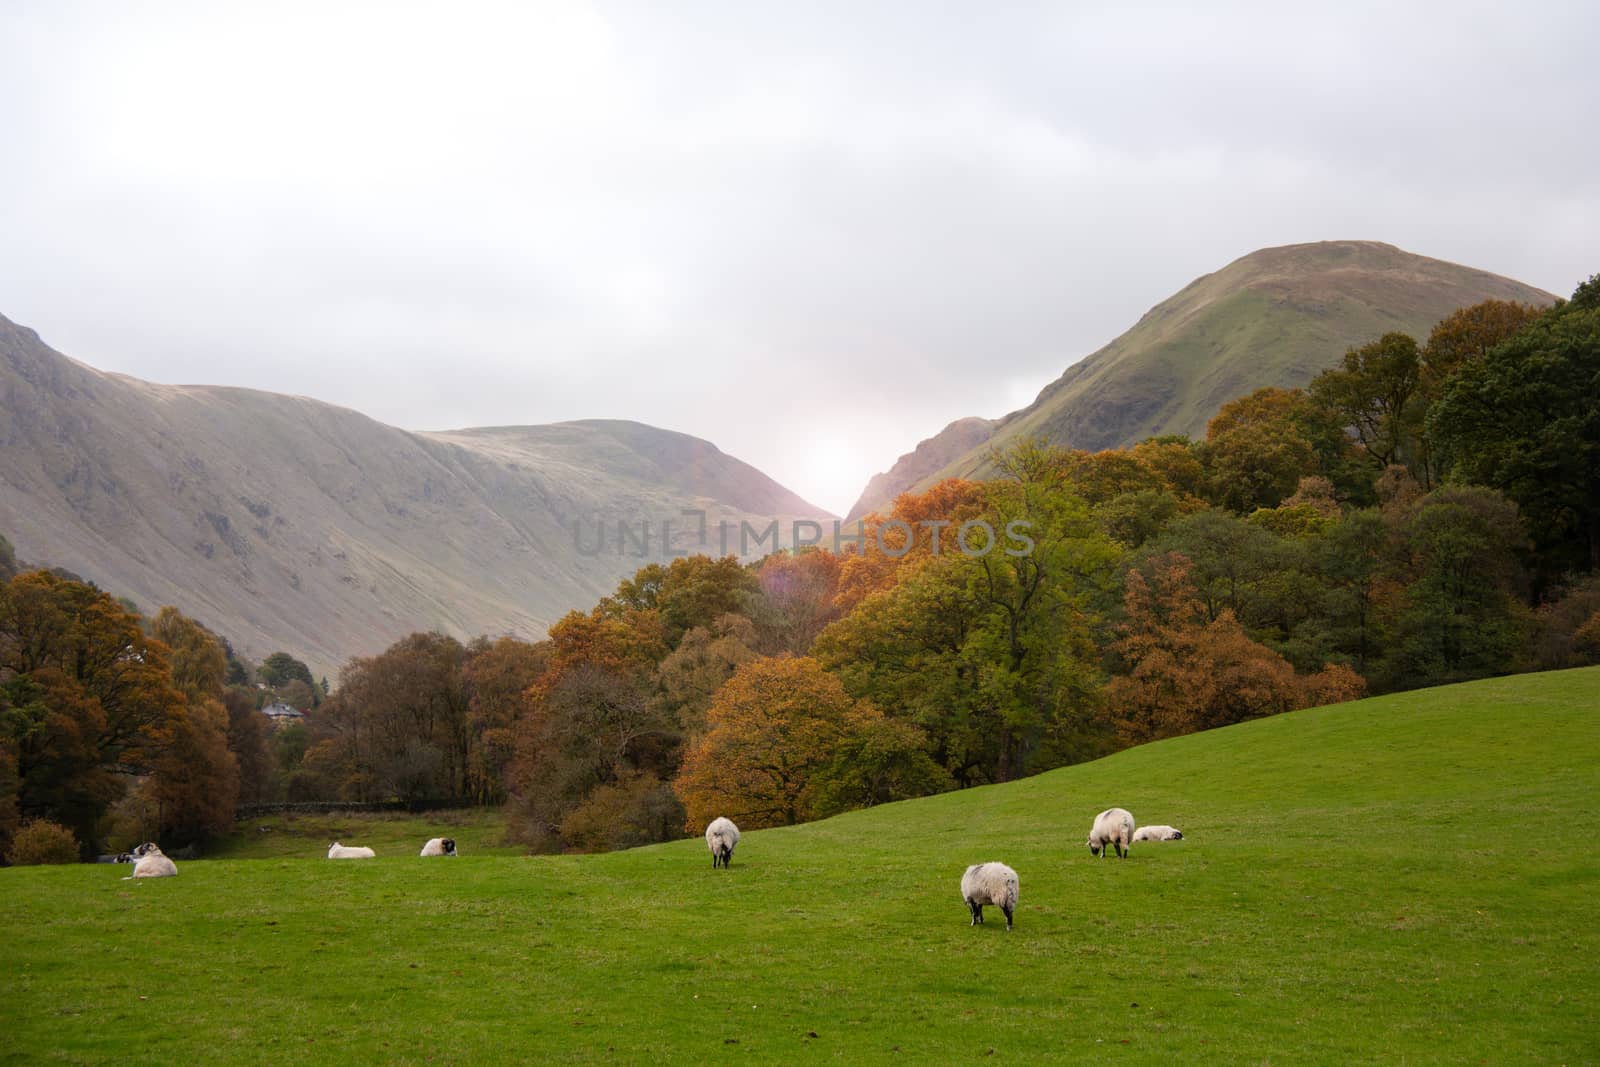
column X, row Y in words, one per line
column 283, row 714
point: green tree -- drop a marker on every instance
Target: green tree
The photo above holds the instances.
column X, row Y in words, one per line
column 1525, row 419
column 991, row 654
column 1371, row 390
column 280, row 669
column 1463, row 615
column 1462, row 337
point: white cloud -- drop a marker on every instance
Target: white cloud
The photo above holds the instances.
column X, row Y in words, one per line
column 742, row 221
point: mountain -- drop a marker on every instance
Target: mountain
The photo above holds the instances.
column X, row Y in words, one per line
column 928, row 458
column 1275, row 317
column 286, row 523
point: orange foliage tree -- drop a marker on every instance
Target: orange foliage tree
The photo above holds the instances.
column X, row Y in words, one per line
column 85, row 697
column 1186, row 673
column 785, row 743
column 933, row 518
column 196, row 783
column 495, row 675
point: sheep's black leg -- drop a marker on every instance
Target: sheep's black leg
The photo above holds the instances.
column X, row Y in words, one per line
column 1008, row 917
column 977, row 911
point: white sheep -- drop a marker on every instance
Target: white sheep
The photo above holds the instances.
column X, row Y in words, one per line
column 1113, row 827
column 337, row 851
column 149, row 862
column 439, row 846
column 1158, row 833
column 721, row 836
column 990, row 883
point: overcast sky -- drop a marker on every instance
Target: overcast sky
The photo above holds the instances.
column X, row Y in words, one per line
column 811, row 233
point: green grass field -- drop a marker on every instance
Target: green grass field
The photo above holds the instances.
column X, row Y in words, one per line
column 1410, row 879
column 295, row 836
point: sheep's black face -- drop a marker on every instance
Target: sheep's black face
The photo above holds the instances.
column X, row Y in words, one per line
column 449, row 846
column 1094, row 849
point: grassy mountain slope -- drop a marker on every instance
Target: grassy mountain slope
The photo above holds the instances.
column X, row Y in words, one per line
column 1275, row 317
column 1403, row 879
column 287, row 523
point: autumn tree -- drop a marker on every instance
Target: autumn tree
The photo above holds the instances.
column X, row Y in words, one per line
column 495, row 676
column 919, row 526
column 85, row 697
column 706, row 657
column 797, row 598
column 1468, row 335
column 409, row 707
column 1256, row 449
column 1185, row 672
column 590, row 729
column 785, row 743
column 690, row 591
column 196, row 776
column 591, row 720
column 248, row 741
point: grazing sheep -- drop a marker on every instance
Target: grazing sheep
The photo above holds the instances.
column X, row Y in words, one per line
column 1113, row 827
column 439, row 846
column 148, row 862
column 721, row 836
column 1158, row 833
column 990, row 883
column 337, row 851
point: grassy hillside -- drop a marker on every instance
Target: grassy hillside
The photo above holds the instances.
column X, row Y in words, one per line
column 477, row 832
column 1275, row 317
column 1403, row 880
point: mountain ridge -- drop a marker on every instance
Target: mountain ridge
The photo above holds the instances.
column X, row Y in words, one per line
column 1273, row 317
column 284, row 522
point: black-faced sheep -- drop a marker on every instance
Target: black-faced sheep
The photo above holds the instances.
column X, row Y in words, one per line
column 1113, row 827
column 337, row 851
column 1158, row 833
column 149, row 862
column 721, row 836
column 990, row 883
column 439, row 846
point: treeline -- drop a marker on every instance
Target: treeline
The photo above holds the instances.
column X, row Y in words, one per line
column 1425, row 512
column 123, row 728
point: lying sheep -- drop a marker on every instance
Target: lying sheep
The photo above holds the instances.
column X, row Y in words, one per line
column 337, row 851
column 721, row 836
column 439, row 846
column 1114, row 827
column 148, row 862
column 990, row 883
column 1158, row 833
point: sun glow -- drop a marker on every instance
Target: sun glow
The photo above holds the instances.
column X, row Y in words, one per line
column 833, row 473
